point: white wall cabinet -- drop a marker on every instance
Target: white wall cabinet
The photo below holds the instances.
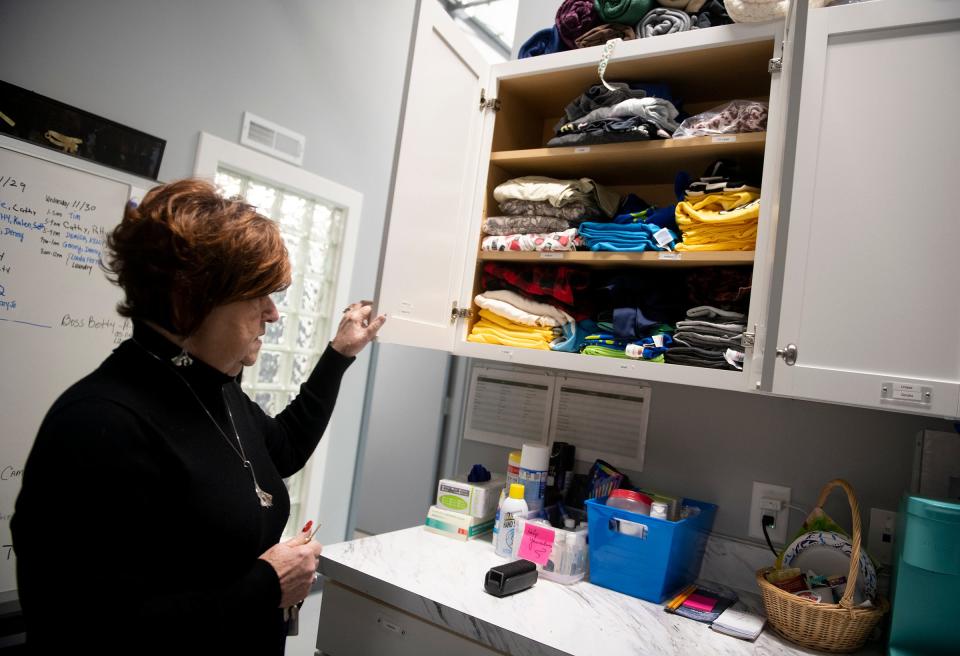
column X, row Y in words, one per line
column 872, row 254
column 454, row 151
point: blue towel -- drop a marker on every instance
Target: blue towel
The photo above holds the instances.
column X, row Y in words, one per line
column 630, row 237
column 569, row 342
column 544, row 42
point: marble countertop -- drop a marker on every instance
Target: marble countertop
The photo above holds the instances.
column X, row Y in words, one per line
column 441, row 580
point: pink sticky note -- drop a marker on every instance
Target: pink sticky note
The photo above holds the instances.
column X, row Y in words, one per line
column 700, row 602
column 536, row 543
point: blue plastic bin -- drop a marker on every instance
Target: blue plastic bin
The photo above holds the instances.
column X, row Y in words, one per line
column 651, row 566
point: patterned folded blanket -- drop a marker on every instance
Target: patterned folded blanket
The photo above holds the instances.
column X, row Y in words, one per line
column 523, row 224
column 550, row 241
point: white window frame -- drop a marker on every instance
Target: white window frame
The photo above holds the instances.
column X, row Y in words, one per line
column 214, row 153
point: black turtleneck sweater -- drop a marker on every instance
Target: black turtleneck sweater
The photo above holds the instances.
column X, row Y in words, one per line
column 137, row 528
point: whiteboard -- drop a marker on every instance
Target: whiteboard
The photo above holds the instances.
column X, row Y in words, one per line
column 58, row 316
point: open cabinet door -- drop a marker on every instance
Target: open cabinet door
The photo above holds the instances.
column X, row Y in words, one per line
column 870, row 298
column 434, row 185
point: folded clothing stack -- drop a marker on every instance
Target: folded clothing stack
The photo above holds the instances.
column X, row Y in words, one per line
column 709, row 337
column 510, row 319
column 562, row 286
column 682, row 15
column 629, row 237
column 495, row 329
column 567, row 240
column 631, row 119
column 608, row 344
column 719, row 212
column 540, row 214
column 551, row 195
column 586, row 23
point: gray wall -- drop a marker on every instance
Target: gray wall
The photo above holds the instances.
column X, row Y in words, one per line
column 333, row 71
column 711, row 445
column 402, row 440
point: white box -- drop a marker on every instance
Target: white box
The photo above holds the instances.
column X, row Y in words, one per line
column 456, row 525
column 474, row 499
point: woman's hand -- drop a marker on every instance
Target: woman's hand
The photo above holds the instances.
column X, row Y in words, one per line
column 295, row 562
column 356, row 328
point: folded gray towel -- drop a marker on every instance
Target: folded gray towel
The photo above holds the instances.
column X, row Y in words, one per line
column 725, row 329
column 710, row 312
column 709, row 341
column 664, row 21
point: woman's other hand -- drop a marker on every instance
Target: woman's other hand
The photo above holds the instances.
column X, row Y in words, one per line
column 356, row 328
column 296, row 565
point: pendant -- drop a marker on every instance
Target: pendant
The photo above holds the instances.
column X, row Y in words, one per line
column 266, row 499
column 182, row 359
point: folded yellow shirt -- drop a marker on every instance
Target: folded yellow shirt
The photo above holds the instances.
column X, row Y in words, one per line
column 734, row 208
column 521, row 330
column 719, row 246
column 485, row 333
column 719, row 238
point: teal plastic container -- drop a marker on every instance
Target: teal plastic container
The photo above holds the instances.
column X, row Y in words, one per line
column 925, row 617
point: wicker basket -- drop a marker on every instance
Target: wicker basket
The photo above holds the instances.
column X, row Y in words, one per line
column 837, row 627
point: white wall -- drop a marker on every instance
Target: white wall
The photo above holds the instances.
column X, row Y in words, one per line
column 333, row 71
column 711, row 445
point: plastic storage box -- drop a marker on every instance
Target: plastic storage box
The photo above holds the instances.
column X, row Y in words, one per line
column 568, row 562
column 654, row 557
column 926, row 578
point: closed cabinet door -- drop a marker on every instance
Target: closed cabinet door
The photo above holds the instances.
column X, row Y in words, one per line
column 870, row 311
column 434, row 182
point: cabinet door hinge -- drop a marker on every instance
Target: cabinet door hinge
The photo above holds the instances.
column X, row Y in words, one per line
column 492, row 103
column 459, row 313
column 748, row 340
column 775, row 65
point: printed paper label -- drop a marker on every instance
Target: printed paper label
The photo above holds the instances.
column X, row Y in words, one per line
column 726, row 138
column 669, row 255
column 907, row 392
column 546, row 255
column 663, row 237
column 582, row 149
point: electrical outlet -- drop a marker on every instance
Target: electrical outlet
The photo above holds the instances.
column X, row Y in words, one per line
column 883, row 527
column 770, row 500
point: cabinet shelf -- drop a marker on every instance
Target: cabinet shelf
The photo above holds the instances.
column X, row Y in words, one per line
column 617, row 259
column 628, row 161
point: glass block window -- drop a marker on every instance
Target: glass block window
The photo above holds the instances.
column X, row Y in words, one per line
column 312, row 230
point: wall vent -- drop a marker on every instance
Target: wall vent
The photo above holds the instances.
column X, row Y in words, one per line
column 270, row 138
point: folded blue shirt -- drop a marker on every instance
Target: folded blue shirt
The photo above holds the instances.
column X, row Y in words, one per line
column 621, row 237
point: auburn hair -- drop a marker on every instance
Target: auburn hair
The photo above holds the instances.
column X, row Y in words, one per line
column 185, row 249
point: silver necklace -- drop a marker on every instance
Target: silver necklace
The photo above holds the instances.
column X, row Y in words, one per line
column 266, row 499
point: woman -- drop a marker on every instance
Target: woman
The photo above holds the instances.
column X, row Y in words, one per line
column 153, row 499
